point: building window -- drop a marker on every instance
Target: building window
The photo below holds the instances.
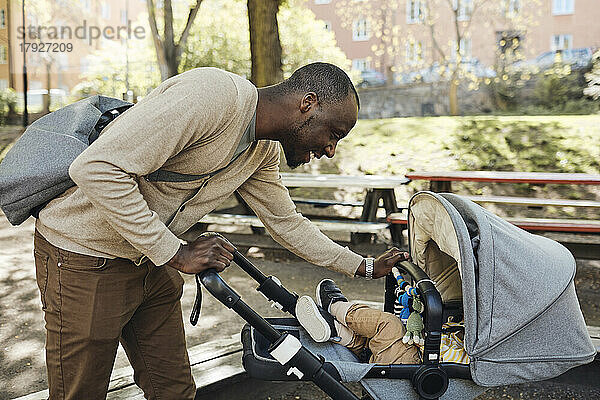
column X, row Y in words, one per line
column 464, row 49
column 509, row 42
column 3, row 54
column 3, row 84
column 414, row 11
column 512, row 8
column 106, row 11
column 84, row 65
column 561, row 42
column 124, row 17
column 464, row 9
column 327, row 25
column 2, row 18
column 86, row 5
column 361, row 64
column 560, row 7
column 414, row 52
column 322, row 1
column 360, row 30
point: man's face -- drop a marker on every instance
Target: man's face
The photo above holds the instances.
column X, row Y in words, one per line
column 318, row 129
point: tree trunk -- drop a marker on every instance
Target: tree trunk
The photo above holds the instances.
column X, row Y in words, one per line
column 453, row 94
column 265, row 47
column 168, row 52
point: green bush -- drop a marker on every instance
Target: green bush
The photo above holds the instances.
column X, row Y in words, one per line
column 490, row 144
column 562, row 92
column 8, row 102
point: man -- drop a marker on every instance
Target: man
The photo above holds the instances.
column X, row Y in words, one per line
column 107, row 250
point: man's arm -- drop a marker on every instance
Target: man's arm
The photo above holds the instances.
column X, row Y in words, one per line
column 270, row 200
column 138, row 143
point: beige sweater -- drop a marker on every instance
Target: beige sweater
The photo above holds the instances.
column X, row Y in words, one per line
column 191, row 123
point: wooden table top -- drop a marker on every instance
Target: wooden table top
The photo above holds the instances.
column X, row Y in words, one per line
column 508, row 177
column 341, row 181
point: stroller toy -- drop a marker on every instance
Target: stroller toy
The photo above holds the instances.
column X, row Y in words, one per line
column 465, row 260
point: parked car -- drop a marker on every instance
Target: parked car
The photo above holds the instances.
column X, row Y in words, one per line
column 435, row 72
column 577, row 58
column 371, row 78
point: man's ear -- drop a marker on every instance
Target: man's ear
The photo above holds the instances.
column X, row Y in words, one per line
column 309, row 100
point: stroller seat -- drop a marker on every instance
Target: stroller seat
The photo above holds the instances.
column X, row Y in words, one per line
column 340, row 362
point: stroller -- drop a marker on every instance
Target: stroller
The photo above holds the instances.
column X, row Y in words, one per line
column 510, row 287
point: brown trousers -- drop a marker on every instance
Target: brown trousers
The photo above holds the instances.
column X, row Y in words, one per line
column 91, row 304
column 382, row 333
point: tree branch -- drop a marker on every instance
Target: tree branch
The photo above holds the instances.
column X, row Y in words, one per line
column 429, row 22
column 188, row 25
column 168, row 17
column 156, row 39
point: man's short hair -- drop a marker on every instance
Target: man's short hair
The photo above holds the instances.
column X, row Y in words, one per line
column 330, row 83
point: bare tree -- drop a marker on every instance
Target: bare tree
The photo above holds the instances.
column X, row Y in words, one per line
column 168, row 51
column 265, row 47
column 462, row 12
column 43, row 14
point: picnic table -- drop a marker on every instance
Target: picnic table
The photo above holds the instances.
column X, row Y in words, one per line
column 376, row 188
column 580, row 236
column 441, row 181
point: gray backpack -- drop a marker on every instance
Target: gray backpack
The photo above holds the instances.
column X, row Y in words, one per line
column 36, row 169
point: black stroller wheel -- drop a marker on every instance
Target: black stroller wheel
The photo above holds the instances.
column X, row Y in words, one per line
column 430, row 382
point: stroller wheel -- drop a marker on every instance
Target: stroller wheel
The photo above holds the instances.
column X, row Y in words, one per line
column 430, row 382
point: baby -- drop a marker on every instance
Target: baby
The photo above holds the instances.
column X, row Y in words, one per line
column 359, row 327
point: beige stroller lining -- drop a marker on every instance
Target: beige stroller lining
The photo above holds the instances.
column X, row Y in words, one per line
column 435, row 246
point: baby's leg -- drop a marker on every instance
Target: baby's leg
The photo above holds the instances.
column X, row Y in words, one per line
column 382, row 330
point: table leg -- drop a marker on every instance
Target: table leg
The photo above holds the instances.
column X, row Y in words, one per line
column 441, row 186
column 391, row 206
column 369, row 214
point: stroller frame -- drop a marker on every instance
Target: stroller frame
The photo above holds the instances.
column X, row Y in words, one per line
column 429, row 379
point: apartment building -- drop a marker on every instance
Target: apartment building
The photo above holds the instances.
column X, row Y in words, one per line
column 5, row 71
column 71, row 27
column 395, row 36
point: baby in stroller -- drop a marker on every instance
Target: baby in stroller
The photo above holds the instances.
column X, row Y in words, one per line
column 359, row 327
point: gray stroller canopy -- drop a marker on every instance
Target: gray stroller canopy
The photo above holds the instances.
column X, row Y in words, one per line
column 522, row 317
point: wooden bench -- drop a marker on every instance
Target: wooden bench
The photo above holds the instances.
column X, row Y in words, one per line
column 581, row 237
column 442, row 182
column 444, row 178
column 212, row 363
column 534, row 202
column 530, row 224
column 340, row 226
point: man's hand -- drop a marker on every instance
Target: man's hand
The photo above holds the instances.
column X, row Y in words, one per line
column 206, row 252
column 384, row 263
